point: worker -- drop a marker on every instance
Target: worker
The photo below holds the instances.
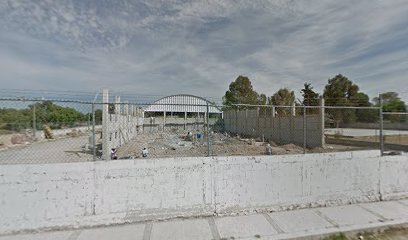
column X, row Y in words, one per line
column 114, row 154
column 268, row 149
column 145, row 152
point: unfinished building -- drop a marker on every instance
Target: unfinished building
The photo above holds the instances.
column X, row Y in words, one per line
column 180, row 111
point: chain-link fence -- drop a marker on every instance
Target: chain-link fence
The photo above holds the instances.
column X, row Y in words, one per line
column 394, row 132
column 50, row 131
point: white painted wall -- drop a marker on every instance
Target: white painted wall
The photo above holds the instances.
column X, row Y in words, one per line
column 295, row 181
column 394, row 177
column 108, row 192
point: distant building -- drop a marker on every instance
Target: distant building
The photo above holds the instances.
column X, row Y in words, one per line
column 182, row 110
column 182, row 105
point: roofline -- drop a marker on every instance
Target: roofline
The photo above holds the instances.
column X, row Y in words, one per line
column 186, row 95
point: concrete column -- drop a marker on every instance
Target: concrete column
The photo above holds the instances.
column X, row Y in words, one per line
column 105, row 126
column 185, row 120
column 164, row 120
column 126, row 108
column 117, row 105
column 258, row 131
column 322, row 113
column 246, row 122
column 204, row 120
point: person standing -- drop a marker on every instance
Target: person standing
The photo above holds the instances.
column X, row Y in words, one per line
column 145, row 152
column 268, row 149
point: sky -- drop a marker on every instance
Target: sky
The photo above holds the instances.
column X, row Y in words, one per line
column 165, row 47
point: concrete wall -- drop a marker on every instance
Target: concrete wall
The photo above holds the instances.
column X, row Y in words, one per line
column 108, row 192
column 394, row 177
column 282, row 130
column 296, row 181
column 99, row 193
column 119, row 127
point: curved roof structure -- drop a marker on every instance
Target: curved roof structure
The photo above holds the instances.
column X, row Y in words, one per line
column 182, row 103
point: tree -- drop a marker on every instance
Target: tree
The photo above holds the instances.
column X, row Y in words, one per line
column 56, row 116
column 364, row 115
column 392, row 103
column 340, row 91
column 98, row 116
column 283, row 97
column 310, row 98
column 240, row 92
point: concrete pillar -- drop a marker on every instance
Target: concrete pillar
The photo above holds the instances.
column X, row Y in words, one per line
column 293, row 108
column 205, row 118
column 126, row 108
column 273, row 111
column 322, row 113
column 257, row 131
column 185, row 120
column 105, row 126
column 164, row 120
column 117, row 105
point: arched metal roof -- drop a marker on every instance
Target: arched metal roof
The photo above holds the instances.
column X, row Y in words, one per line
column 182, row 103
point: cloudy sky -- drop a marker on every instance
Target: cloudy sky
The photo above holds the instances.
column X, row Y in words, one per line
column 163, row 47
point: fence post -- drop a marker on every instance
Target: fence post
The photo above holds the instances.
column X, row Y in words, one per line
column 381, row 126
column 304, row 130
column 322, row 115
column 208, row 132
column 105, row 126
column 93, row 133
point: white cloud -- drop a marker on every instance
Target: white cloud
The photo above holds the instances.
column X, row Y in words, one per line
column 199, row 47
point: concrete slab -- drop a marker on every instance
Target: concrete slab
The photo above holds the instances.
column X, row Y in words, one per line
column 65, row 235
column 300, row 221
column 244, row 226
column 182, row 229
column 126, row 232
column 349, row 215
column 388, row 210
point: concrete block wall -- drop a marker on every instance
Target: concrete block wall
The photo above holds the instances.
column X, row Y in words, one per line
column 394, row 177
column 295, row 181
column 282, row 130
column 108, row 192
column 102, row 193
column 122, row 128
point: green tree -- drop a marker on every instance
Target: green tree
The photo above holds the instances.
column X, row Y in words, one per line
column 310, row 98
column 15, row 119
column 55, row 115
column 364, row 115
column 283, row 97
column 240, row 92
column 98, row 116
column 340, row 91
column 392, row 103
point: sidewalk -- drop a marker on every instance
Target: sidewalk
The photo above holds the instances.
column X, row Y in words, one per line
column 276, row 225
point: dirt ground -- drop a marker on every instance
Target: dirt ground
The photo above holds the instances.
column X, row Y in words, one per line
column 177, row 144
column 20, row 148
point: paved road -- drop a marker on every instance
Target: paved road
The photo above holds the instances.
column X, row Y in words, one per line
column 354, row 132
column 277, row 225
